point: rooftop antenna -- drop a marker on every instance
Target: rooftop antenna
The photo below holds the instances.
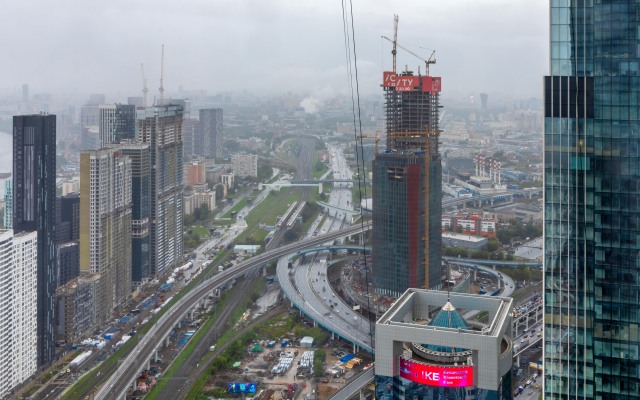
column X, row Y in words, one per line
column 162, row 77
column 145, row 90
column 448, row 282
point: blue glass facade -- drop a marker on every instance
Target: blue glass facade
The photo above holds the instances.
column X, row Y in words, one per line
column 407, row 192
column 140, row 155
column 34, row 209
column 592, row 207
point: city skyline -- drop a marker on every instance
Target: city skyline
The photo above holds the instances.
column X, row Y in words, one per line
column 272, row 46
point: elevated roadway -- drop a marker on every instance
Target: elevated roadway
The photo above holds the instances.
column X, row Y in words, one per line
column 322, row 305
column 117, row 385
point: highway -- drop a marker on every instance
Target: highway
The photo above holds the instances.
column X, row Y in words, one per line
column 116, row 386
column 314, row 305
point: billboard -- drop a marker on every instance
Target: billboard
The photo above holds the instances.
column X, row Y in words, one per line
column 434, row 375
column 400, row 82
column 431, row 84
column 241, row 387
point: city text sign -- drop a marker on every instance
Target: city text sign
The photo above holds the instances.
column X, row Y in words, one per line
column 400, row 82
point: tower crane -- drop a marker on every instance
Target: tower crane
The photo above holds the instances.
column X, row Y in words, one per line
column 430, row 60
column 395, row 41
column 161, row 90
column 376, row 137
column 145, row 90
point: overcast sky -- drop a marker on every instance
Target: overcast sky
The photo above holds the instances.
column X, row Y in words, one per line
column 268, row 46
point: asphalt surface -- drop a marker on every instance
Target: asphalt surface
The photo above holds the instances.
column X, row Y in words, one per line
column 179, row 384
column 132, row 364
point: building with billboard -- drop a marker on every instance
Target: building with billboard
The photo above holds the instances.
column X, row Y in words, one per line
column 407, row 188
column 591, row 210
column 426, row 349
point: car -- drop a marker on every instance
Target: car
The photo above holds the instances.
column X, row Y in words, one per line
column 366, row 367
column 528, row 383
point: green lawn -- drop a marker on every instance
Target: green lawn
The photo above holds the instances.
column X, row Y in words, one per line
column 275, row 204
column 200, row 231
column 237, row 207
column 156, row 392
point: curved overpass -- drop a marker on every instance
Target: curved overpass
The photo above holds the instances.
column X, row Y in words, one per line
column 309, row 300
column 117, row 385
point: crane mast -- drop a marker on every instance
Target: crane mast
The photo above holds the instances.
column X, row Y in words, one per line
column 162, row 77
column 145, row 90
column 395, row 41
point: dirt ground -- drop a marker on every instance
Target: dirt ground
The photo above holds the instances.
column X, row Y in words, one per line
column 256, row 367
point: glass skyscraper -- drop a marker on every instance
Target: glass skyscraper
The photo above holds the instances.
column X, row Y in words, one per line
column 34, row 210
column 592, row 206
column 407, row 188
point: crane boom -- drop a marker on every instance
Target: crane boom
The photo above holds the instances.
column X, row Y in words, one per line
column 430, row 60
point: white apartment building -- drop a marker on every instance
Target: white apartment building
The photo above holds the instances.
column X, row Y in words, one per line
column 18, row 313
column 105, row 220
column 227, row 180
column 245, row 165
column 196, row 199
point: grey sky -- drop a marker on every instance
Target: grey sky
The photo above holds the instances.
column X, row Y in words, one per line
column 79, row 46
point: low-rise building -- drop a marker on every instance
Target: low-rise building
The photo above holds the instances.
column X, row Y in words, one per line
column 76, row 308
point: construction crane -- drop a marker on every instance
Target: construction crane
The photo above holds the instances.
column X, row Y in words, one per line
column 430, row 60
column 145, row 90
column 376, row 138
column 395, row 41
column 162, row 78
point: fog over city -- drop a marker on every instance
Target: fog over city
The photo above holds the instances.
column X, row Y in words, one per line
column 274, row 46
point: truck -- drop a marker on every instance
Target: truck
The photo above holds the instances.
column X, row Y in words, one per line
column 77, row 362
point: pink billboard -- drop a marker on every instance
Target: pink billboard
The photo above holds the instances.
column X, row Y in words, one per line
column 431, row 84
column 402, row 83
column 433, row 375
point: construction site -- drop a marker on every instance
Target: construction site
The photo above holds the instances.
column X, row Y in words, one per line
column 407, row 181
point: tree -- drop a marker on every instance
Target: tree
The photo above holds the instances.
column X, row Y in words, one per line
column 318, row 363
column 493, row 245
column 188, row 220
column 204, row 212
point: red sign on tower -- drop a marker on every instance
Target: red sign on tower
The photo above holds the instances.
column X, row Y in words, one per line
column 402, row 83
column 431, row 84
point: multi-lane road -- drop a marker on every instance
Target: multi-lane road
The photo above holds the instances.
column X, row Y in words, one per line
column 117, row 384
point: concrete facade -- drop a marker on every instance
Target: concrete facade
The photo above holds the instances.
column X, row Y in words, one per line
column 491, row 348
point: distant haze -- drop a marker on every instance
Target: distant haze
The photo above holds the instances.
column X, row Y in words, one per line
column 267, row 46
column 6, row 153
column 6, row 157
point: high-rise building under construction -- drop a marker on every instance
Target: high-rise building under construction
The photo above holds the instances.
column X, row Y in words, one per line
column 407, row 187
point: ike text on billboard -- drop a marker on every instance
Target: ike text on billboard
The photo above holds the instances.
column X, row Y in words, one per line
column 434, row 375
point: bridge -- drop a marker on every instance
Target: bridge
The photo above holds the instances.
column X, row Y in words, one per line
column 117, row 385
